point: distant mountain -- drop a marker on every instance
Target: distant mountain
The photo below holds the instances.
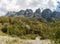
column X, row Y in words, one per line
column 10, row 13
column 56, row 15
column 28, row 13
column 46, row 14
column 37, row 13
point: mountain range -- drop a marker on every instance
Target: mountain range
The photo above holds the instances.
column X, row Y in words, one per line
column 46, row 14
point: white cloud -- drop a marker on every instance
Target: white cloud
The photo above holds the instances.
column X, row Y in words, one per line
column 15, row 5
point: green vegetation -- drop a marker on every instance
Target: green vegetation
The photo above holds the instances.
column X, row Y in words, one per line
column 29, row 28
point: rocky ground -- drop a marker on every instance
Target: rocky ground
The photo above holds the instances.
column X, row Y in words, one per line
column 14, row 40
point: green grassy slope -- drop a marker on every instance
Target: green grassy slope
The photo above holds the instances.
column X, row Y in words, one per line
column 30, row 28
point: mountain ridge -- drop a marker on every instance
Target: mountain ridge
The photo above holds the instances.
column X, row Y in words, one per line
column 46, row 14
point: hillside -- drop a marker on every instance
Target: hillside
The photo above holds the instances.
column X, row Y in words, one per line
column 30, row 28
column 21, row 26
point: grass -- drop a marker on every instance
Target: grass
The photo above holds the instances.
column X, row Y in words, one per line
column 2, row 34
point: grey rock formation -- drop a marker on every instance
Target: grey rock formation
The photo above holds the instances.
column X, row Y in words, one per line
column 28, row 13
column 37, row 13
column 56, row 15
column 21, row 12
column 46, row 13
column 10, row 13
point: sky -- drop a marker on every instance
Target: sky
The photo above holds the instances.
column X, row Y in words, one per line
column 16, row 5
column 58, row 7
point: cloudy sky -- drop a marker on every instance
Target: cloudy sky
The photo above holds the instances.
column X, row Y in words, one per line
column 16, row 5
